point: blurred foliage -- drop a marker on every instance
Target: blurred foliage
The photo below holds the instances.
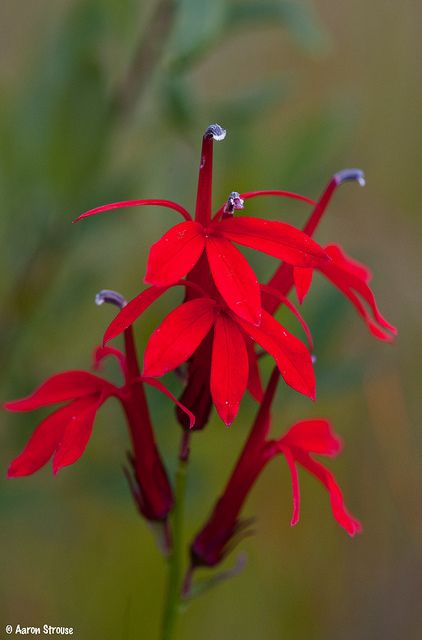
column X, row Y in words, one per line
column 107, row 100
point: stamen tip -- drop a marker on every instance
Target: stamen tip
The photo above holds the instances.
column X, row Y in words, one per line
column 215, row 131
column 112, row 297
column 350, row 175
column 234, row 202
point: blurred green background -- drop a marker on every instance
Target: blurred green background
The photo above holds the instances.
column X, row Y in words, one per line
column 106, row 100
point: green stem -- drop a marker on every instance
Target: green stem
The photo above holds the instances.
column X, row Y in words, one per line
column 175, row 567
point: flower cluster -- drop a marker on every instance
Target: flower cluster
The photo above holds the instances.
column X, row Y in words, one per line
column 218, row 333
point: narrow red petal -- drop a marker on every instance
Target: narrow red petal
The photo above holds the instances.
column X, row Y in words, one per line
column 277, row 239
column 76, row 434
column 174, row 255
column 100, row 353
column 292, row 357
column 303, row 280
column 313, row 436
column 234, row 278
column 60, row 387
column 350, row 276
column 136, row 307
column 269, row 290
column 136, row 203
column 178, row 336
column 43, row 442
column 158, row 385
column 295, row 486
column 340, row 513
column 229, row 368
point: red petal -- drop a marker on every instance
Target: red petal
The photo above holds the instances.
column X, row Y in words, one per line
column 43, row 442
column 76, row 434
column 348, row 275
column 267, row 289
column 291, row 355
column 278, row 239
column 178, row 336
column 235, row 279
column 132, row 311
column 254, row 381
column 303, row 280
column 352, row 266
column 100, row 353
column 135, row 203
column 175, row 254
column 340, row 513
column 158, row 385
column 229, row 369
column 313, row 436
column 63, row 386
column 295, row 486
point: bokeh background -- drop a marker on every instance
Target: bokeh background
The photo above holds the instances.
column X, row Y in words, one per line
column 104, row 100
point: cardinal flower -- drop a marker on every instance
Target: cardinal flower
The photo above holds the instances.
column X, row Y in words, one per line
column 65, row 433
column 351, row 277
column 180, row 249
column 186, row 327
column 304, row 439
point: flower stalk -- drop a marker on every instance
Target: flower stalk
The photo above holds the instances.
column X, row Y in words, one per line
column 172, row 604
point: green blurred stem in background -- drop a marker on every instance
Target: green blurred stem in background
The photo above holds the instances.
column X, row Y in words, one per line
column 172, row 604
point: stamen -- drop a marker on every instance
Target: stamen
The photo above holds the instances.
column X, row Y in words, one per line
column 215, row 131
column 234, row 202
column 112, row 297
column 350, row 175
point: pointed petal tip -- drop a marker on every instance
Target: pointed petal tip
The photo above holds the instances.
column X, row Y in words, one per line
column 11, row 473
column 354, row 528
column 216, row 132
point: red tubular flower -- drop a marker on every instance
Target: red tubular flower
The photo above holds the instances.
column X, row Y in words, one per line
column 180, row 249
column 186, row 327
column 65, row 433
column 305, row 438
column 224, row 529
column 349, row 276
column 172, row 257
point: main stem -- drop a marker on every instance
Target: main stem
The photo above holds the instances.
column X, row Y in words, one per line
column 175, row 566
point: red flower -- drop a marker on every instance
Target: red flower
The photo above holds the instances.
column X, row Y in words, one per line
column 180, row 249
column 65, row 433
column 224, row 529
column 352, row 279
column 186, row 327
